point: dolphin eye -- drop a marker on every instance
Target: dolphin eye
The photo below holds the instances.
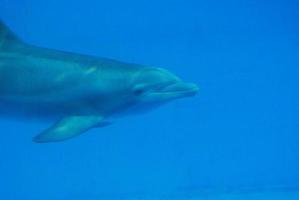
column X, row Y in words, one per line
column 139, row 90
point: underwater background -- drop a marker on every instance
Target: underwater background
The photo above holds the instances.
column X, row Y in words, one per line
column 237, row 139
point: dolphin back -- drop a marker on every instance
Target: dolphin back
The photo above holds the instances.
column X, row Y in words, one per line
column 7, row 37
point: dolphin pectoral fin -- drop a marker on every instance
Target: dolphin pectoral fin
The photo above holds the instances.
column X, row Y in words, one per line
column 68, row 127
column 103, row 124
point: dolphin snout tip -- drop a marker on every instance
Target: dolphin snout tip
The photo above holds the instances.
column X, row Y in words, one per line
column 193, row 88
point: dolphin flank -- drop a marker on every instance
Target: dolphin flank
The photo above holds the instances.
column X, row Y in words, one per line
column 77, row 90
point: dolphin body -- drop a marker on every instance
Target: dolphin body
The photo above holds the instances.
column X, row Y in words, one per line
column 79, row 91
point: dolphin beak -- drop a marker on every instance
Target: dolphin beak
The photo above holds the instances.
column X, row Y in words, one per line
column 173, row 91
column 181, row 89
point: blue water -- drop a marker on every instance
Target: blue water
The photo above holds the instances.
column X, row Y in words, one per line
column 239, row 133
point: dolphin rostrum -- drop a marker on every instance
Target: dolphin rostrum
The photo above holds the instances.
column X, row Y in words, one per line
column 79, row 91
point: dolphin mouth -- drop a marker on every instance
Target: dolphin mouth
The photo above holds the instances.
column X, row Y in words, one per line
column 180, row 88
column 175, row 90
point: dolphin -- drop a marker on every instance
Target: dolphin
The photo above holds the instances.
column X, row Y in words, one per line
column 79, row 91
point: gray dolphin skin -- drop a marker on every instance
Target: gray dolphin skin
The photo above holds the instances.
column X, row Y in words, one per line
column 78, row 91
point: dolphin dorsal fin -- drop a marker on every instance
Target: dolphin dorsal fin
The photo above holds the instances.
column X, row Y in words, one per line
column 7, row 37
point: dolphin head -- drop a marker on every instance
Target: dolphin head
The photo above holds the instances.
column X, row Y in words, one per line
column 152, row 87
